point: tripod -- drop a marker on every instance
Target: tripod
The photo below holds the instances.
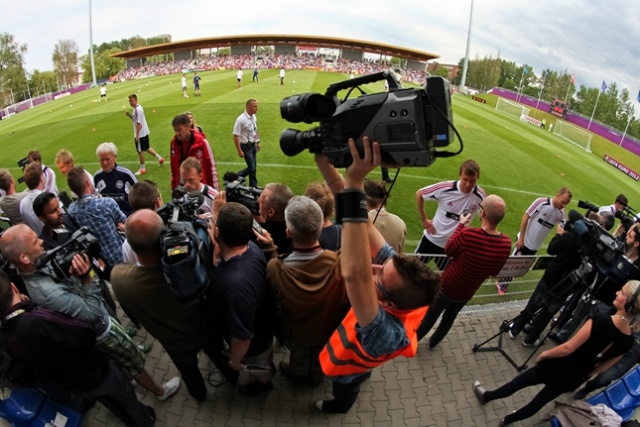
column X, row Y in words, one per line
column 574, row 279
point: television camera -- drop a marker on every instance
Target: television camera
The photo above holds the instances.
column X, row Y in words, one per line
column 237, row 192
column 22, row 163
column 60, row 257
column 407, row 123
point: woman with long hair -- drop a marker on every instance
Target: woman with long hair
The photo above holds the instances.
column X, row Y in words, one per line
column 599, row 344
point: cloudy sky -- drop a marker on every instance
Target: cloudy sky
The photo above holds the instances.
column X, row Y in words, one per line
column 592, row 39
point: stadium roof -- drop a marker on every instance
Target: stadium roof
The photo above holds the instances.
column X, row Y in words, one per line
column 278, row 40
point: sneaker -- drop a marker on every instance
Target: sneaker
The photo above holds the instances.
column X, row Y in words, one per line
column 330, row 407
column 160, row 161
column 512, row 335
column 132, row 332
column 141, row 172
column 144, row 347
column 479, row 391
column 536, row 343
column 255, row 387
column 502, row 289
column 170, row 388
column 527, row 328
column 432, row 344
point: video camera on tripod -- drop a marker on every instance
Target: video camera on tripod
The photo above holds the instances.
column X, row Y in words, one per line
column 607, row 253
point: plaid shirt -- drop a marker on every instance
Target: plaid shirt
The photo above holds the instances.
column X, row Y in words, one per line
column 101, row 215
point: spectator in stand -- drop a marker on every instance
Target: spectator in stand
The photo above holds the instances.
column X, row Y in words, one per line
column 191, row 177
column 453, row 197
column 49, row 174
column 309, row 291
column 538, row 220
column 476, row 253
column 272, row 203
column 391, row 226
column 322, row 195
column 141, row 133
column 10, row 202
column 113, row 181
column 34, row 178
column 188, row 142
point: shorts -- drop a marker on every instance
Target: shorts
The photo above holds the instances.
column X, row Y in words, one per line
column 143, row 145
column 121, row 349
column 239, row 80
column 103, row 96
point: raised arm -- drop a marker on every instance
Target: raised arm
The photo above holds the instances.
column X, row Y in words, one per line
column 356, row 260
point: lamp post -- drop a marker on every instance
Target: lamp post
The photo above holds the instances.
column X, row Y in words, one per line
column 93, row 65
column 465, row 66
column 633, row 110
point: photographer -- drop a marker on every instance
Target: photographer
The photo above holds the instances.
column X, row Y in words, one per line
column 78, row 297
column 597, row 345
column 604, row 291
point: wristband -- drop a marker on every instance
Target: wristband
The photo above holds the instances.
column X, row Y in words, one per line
column 351, row 206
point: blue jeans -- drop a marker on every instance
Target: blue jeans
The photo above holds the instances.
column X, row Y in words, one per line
column 250, row 153
column 451, row 308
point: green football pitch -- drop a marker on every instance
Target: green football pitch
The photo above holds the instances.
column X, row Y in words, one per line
column 519, row 161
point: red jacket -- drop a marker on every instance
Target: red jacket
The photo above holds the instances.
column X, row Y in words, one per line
column 197, row 146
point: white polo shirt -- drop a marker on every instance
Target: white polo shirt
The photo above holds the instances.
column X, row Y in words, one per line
column 246, row 127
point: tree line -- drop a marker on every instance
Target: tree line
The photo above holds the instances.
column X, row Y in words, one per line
column 615, row 107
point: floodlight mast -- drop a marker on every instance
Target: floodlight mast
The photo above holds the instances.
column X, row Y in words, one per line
column 465, row 66
column 93, row 65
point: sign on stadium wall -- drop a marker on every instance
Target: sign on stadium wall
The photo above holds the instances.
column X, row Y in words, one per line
column 616, row 164
column 531, row 120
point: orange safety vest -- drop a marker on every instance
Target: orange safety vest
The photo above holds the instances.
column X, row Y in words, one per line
column 344, row 355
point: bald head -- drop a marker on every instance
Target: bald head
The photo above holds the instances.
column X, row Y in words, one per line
column 20, row 240
column 143, row 230
column 494, row 209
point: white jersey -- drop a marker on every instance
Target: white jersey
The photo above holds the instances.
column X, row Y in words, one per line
column 209, row 194
column 543, row 217
column 451, row 203
column 239, row 74
column 611, row 209
column 282, row 73
column 184, row 82
column 103, row 91
column 138, row 117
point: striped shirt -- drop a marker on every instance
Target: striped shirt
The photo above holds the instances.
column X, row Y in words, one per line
column 475, row 255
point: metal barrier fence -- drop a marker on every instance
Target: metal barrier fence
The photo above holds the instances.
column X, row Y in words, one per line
column 487, row 301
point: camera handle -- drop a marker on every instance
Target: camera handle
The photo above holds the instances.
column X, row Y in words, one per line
column 575, row 278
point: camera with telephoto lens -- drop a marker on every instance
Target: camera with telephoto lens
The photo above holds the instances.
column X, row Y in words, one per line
column 590, row 207
column 626, row 217
column 606, row 252
column 22, row 163
column 237, row 192
column 407, row 123
column 60, row 257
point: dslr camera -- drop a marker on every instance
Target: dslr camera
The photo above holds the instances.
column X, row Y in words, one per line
column 407, row 123
column 60, row 257
column 237, row 192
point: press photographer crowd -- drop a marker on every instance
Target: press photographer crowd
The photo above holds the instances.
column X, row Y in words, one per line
column 230, row 270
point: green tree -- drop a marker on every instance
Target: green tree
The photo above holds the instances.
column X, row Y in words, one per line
column 105, row 65
column 12, row 73
column 65, row 61
column 42, row 82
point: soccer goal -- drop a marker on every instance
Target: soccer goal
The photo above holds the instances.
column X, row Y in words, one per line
column 574, row 134
column 511, row 108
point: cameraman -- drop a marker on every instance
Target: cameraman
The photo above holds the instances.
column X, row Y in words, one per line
column 605, row 291
column 47, row 208
column 78, row 297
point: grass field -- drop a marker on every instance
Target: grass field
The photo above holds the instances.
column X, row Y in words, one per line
column 519, row 161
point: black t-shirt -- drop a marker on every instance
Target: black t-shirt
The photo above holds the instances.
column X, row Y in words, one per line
column 241, row 301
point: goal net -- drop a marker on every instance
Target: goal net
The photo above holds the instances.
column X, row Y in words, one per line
column 574, row 134
column 513, row 109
